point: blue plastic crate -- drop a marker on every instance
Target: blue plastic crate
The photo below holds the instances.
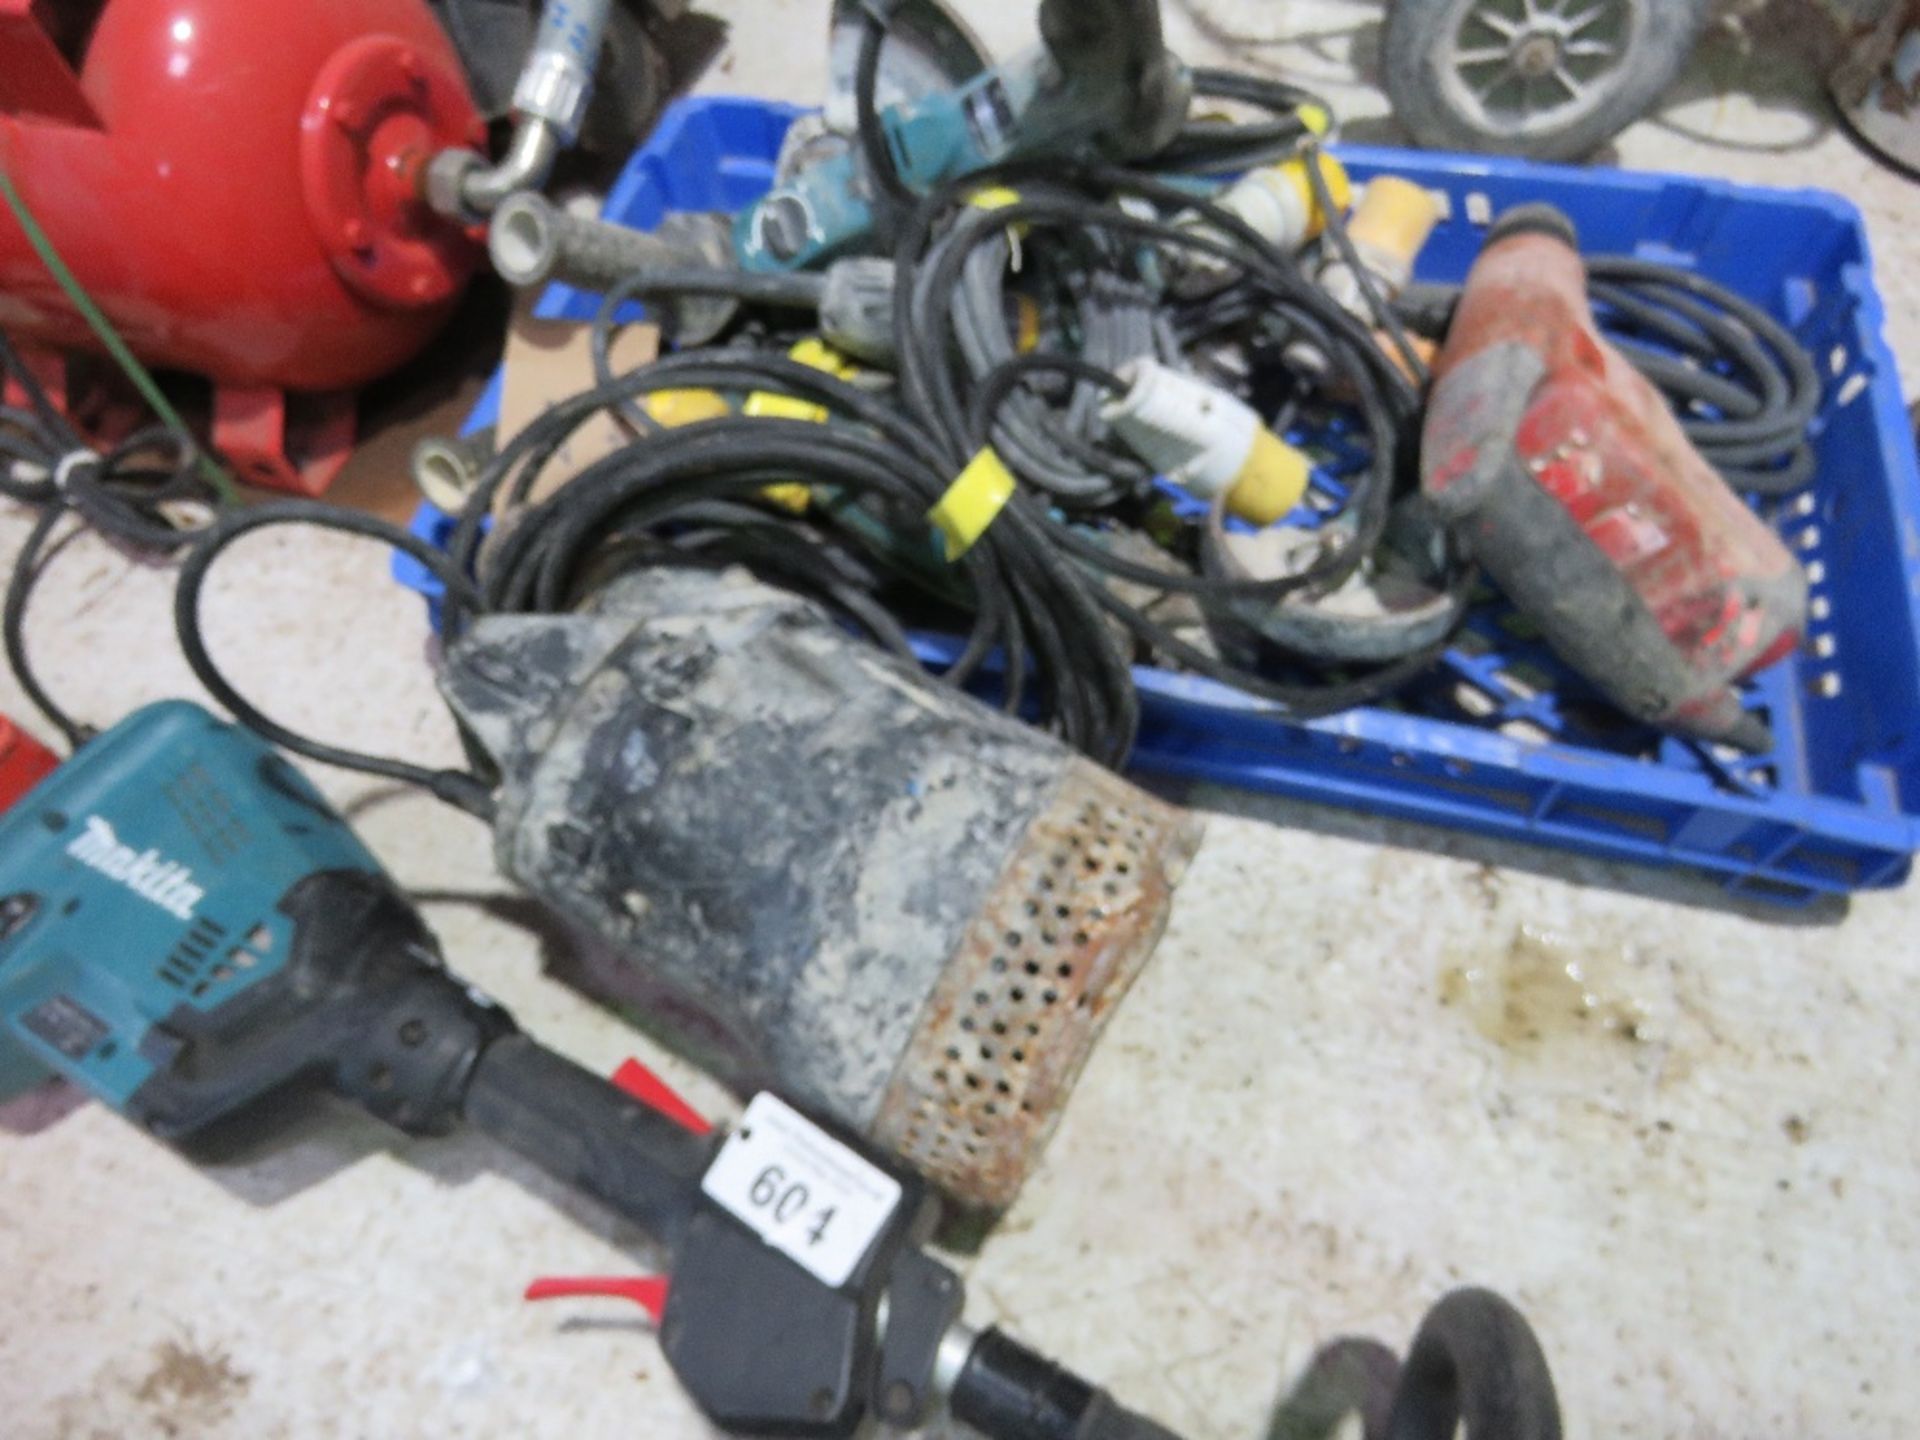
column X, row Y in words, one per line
column 1502, row 739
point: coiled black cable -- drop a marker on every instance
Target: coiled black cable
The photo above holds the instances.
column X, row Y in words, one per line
column 1029, row 586
column 1028, row 603
column 1475, row 1369
column 936, row 393
column 1098, row 297
column 1743, row 388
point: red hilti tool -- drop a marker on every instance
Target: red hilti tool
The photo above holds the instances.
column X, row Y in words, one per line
column 1568, row 477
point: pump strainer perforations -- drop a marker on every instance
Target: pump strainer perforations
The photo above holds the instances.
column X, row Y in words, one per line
column 1074, row 916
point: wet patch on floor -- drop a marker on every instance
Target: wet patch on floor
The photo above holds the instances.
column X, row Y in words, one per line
column 1543, row 990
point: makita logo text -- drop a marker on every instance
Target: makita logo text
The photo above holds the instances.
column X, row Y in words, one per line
column 167, row 883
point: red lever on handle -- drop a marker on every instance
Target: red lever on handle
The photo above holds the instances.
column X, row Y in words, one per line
column 650, row 1090
column 649, row 1292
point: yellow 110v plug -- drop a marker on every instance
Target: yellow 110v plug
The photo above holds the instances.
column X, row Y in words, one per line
column 1211, row 442
column 1389, row 228
column 1277, row 201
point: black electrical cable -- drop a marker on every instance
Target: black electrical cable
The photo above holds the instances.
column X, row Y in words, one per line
column 1343, row 246
column 600, row 348
column 890, row 192
column 953, row 420
column 19, row 586
column 1207, row 146
column 999, row 384
column 1385, row 398
column 146, row 493
column 466, row 791
column 692, row 493
column 994, row 392
column 1760, row 446
column 1089, row 287
column 1269, row 268
column 1029, row 604
column 149, row 493
column 1387, row 401
column 1028, row 581
column 801, row 558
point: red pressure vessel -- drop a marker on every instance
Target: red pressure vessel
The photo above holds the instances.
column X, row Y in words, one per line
column 235, row 183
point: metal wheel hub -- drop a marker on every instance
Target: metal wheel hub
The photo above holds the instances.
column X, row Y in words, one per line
column 1535, row 55
column 1525, row 65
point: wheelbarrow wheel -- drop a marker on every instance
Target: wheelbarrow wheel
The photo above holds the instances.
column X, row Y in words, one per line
column 1549, row 79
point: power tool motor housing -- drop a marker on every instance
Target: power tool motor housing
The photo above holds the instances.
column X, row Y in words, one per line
column 186, row 926
column 1570, row 481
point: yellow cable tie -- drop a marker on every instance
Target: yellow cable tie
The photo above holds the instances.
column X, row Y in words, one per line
column 994, row 197
column 972, row 502
column 821, row 356
column 789, row 495
column 795, row 495
column 771, row 404
column 998, row 197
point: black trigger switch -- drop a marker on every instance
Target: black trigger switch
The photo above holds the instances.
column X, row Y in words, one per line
column 161, row 1046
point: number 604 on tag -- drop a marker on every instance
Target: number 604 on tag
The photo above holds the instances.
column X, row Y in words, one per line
column 802, row 1191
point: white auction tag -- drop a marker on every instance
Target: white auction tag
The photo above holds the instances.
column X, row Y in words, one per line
column 800, row 1190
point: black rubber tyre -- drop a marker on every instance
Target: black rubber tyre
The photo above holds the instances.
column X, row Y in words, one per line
column 1434, row 100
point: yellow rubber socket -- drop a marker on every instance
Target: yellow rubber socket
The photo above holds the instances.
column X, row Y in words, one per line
column 1271, row 482
column 1395, row 216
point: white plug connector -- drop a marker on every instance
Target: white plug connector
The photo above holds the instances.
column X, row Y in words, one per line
column 1207, row 440
column 1277, row 202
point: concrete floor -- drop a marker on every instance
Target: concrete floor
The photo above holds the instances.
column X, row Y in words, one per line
column 1302, row 1124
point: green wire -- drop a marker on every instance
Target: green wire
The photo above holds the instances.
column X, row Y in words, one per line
column 109, row 337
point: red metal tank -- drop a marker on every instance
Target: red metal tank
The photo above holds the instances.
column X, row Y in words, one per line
column 234, row 182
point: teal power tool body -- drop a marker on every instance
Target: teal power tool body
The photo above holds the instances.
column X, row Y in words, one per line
column 187, row 928
column 1101, row 74
column 172, row 828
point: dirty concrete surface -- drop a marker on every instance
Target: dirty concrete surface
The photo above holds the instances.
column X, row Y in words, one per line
column 1358, row 1071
